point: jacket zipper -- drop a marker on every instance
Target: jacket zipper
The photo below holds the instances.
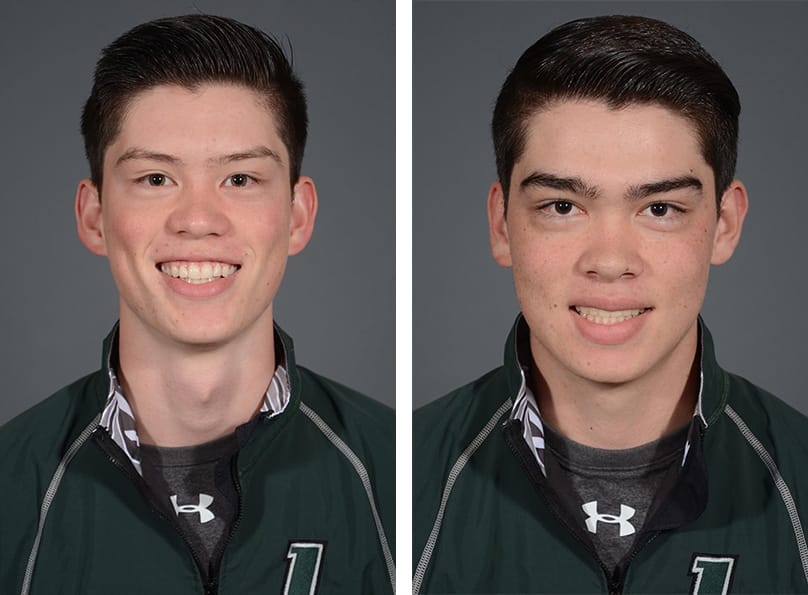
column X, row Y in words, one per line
column 615, row 588
column 614, row 582
column 212, row 587
column 135, row 477
column 648, row 538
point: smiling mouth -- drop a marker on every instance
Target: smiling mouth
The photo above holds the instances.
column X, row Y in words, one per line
column 607, row 317
column 197, row 273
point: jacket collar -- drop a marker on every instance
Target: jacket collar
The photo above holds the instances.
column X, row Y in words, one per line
column 712, row 397
column 118, row 419
column 714, row 390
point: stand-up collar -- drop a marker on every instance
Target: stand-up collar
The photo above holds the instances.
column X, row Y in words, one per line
column 714, row 380
column 118, row 419
column 518, row 361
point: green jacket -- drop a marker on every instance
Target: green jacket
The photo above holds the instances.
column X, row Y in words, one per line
column 486, row 521
column 315, row 484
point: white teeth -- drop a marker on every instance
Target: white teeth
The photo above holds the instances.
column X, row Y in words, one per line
column 599, row 316
column 198, row 272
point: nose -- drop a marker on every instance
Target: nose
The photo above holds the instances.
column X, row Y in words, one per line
column 198, row 212
column 611, row 251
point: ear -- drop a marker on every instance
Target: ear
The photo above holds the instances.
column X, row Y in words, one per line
column 498, row 226
column 88, row 218
column 734, row 204
column 304, row 210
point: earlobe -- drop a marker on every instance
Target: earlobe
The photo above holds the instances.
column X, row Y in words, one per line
column 304, row 211
column 89, row 222
column 734, row 204
column 498, row 226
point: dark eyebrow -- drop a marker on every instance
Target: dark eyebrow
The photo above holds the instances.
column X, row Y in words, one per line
column 137, row 153
column 253, row 153
column 576, row 185
column 572, row 184
column 646, row 190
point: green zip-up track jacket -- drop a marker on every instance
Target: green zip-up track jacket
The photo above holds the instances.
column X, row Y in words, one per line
column 315, row 514
column 486, row 521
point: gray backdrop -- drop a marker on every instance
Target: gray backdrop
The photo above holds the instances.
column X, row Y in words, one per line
column 58, row 301
column 464, row 303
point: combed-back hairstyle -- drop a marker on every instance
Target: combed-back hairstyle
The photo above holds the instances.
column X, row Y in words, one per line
column 190, row 51
column 620, row 60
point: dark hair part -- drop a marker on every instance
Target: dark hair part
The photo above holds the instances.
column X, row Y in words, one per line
column 190, row 51
column 620, row 60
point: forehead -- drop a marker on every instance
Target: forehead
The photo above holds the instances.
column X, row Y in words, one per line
column 205, row 119
column 636, row 141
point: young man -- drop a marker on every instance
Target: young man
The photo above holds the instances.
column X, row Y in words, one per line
column 200, row 458
column 611, row 453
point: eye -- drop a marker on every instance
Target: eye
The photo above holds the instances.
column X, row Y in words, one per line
column 556, row 208
column 239, row 180
column 562, row 207
column 156, row 180
column 664, row 211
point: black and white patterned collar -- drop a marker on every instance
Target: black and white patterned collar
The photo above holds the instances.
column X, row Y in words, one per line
column 119, row 420
column 526, row 408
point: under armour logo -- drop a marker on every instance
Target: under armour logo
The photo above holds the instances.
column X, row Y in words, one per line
column 205, row 515
column 626, row 512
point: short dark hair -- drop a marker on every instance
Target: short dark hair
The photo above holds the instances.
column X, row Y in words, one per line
column 190, row 51
column 620, row 60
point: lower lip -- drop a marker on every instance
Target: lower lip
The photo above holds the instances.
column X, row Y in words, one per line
column 610, row 334
column 199, row 290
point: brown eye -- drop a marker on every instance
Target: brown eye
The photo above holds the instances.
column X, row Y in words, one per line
column 562, row 207
column 659, row 209
column 156, row 180
column 239, row 181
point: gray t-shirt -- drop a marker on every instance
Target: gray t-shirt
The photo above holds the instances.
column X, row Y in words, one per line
column 195, row 485
column 612, row 490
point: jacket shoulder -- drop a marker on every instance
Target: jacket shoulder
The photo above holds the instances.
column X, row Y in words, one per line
column 45, row 430
column 346, row 408
column 31, row 447
column 464, row 421
column 779, row 427
column 367, row 428
column 458, row 417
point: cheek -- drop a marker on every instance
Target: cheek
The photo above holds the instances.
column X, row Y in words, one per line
column 533, row 273
column 538, row 267
column 125, row 234
column 271, row 233
column 268, row 234
column 269, row 217
column 687, row 268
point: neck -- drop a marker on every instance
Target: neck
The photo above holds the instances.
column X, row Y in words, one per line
column 625, row 415
column 185, row 395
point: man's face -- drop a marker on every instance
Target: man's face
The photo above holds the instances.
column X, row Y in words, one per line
column 197, row 216
column 611, row 228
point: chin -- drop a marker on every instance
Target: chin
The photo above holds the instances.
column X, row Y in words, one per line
column 201, row 336
column 615, row 368
column 608, row 377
